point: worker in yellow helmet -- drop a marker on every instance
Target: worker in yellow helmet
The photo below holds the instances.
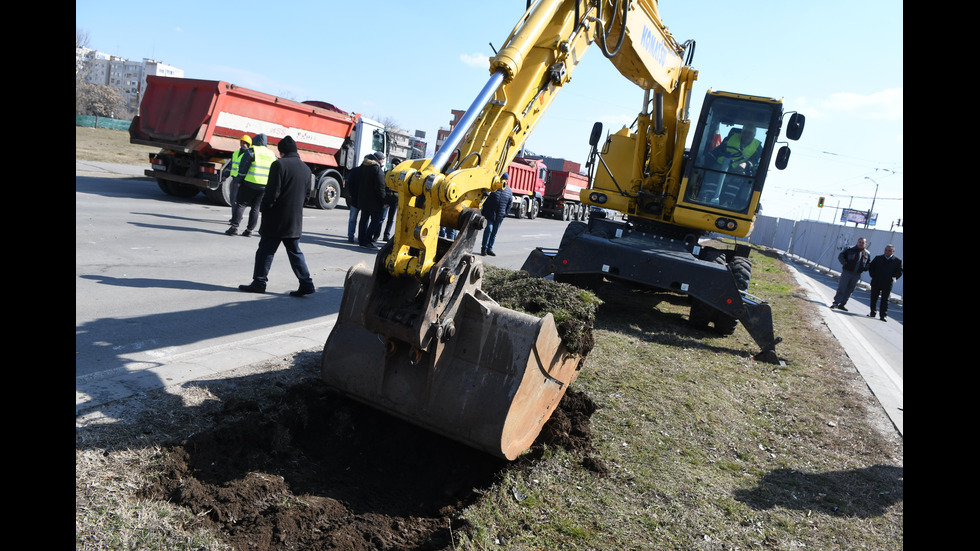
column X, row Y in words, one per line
column 244, row 148
column 244, row 145
column 253, row 174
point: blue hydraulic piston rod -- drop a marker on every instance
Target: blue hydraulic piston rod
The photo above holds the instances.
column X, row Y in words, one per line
column 441, row 157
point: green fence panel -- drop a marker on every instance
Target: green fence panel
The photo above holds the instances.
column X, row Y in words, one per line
column 101, row 122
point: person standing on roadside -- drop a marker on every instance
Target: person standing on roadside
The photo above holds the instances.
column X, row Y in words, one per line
column 371, row 199
column 884, row 270
column 253, row 174
column 391, row 205
column 495, row 209
column 244, row 148
column 854, row 261
column 353, row 186
column 282, row 220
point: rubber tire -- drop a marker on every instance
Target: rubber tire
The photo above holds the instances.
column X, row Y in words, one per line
column 532, row 213
column 184, row 191
column 572, row 230
column 741, row 268
column 327, row 194
column 222, row 195
column 164, row 186
column 522, row 210
column 566, row 212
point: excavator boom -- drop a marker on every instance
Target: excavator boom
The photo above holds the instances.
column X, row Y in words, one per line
column 416, row 335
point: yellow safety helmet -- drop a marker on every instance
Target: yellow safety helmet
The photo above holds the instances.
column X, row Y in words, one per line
column 246, row 139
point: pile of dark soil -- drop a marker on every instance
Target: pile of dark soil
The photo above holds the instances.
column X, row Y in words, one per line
column 574, row 309
column 311, row 469
column 302, row 467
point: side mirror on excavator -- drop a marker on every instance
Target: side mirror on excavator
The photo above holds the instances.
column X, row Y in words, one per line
column 782, row 157
column 795, row 128
column 596, row 134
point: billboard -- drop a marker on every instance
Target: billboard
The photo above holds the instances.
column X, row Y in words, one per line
column 858, row 217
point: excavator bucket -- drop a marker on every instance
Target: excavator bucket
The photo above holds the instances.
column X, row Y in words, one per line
column 491, row 380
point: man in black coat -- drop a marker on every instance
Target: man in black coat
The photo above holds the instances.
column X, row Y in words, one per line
column 884, row 270
column 282, row 220
column 371, row 191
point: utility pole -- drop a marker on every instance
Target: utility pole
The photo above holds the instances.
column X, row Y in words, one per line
column 867, row 219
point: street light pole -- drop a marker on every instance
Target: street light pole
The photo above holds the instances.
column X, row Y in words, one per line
column 868, row 218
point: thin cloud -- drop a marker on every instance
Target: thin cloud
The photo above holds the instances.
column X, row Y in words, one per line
column 476, row 60
column 884, row 105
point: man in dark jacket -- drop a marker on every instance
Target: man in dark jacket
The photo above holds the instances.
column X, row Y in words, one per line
column 854, row 261
column 370, row 199
column 353, row 186
column 282, row 220
column 495, row 209
column 884, row 270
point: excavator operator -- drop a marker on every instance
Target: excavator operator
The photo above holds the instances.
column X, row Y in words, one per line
column 741, row 149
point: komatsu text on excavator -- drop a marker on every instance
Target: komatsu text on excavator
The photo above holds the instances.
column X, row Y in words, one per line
column 418, row 338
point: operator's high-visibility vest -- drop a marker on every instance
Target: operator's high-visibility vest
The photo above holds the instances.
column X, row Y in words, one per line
column 236, row 159
column 734, row 151
column 258, row 172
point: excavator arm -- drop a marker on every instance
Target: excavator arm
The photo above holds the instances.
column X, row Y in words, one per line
column 416, row 336
column 536, row 61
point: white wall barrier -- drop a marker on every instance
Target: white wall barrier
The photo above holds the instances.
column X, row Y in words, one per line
column 820, row 243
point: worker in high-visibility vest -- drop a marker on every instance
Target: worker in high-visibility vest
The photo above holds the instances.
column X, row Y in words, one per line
column 253, row 173
column 740, row 152
column 244, row 145
column 244, row 148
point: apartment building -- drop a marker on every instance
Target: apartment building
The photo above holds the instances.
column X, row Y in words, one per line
column 127, row 76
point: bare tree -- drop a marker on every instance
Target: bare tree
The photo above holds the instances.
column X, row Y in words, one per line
column 390, row 124
column 98, row 100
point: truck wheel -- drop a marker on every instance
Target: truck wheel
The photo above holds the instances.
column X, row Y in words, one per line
column 164, row 186
column 583, row 212
column 222, row 195
column 522, row 210
column 327, row 192
column 566, row 210
column 184, row 191
column 532, row 213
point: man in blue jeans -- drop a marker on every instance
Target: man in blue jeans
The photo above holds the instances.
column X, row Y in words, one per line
column 495, row 209
column 854, row 261
column 282, row 220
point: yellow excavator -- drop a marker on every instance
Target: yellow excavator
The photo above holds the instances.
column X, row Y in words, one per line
column 418, row 338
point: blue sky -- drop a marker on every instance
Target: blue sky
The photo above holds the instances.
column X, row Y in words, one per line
column 839, row 63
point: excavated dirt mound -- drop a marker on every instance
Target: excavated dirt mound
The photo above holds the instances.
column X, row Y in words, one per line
column 306, row 468
column 315, row 470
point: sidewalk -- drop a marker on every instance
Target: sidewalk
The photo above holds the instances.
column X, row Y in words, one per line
column 864, row 343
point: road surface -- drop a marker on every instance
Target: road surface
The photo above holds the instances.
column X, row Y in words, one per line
column 131, row 238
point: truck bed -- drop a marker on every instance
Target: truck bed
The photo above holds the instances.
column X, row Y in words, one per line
column 210, row 116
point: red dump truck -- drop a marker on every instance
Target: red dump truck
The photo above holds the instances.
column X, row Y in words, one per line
column 561, row 195
column 197, row 125
column 526, row 179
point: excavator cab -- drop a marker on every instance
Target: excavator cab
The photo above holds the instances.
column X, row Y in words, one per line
column 726, row 167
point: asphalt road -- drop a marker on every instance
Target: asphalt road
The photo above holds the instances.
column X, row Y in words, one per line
column 157, row 300
column 156, row 285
